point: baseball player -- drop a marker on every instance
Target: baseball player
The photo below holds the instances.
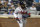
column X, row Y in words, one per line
column 21, row 14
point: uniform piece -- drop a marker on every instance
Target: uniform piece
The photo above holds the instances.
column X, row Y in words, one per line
column 21, row 15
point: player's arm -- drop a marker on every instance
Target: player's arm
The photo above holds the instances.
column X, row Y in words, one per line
column 28, row 13
column 16, row 13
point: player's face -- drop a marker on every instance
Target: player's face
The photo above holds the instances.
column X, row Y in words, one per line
column 22, row 6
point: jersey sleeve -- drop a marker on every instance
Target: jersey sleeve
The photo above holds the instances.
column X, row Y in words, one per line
column 16, row 13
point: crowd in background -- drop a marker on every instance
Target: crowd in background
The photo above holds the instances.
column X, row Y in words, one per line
column 9, row 8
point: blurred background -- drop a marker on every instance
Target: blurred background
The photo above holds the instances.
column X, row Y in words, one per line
column 9, row 6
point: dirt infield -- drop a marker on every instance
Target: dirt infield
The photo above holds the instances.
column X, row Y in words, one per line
column 31, row 22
